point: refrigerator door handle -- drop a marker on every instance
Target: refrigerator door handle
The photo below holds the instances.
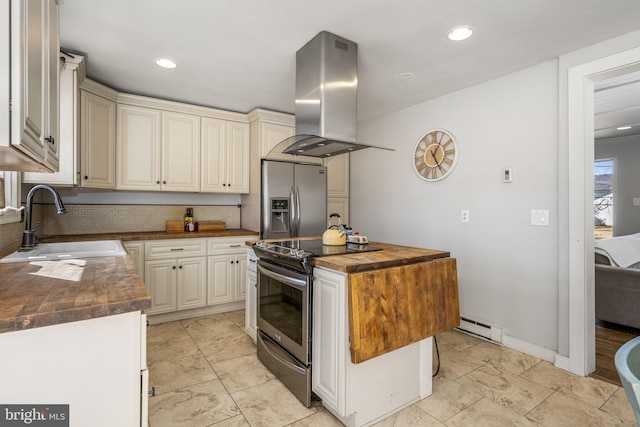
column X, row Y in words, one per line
column 292, row 214
column 298, row 213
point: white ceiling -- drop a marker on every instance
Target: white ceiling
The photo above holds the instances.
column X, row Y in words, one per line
column 240, row 54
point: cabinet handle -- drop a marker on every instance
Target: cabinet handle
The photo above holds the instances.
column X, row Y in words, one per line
column 152, row 392
column 50, row 140
column 234, row 246
column 176, row 249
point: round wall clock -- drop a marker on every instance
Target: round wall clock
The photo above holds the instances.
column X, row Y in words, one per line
column 435, row 155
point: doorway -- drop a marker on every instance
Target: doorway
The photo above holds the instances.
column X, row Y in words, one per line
column 580, row 247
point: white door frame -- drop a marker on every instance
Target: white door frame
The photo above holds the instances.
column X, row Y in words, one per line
column 580, row 126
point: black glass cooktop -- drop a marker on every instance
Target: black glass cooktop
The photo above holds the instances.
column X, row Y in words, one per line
column 318, row 249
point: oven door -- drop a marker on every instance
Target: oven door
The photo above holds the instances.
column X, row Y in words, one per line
column 283, row 308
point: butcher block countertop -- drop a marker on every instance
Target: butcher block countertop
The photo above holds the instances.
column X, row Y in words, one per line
column 389, row 256
column 31, row 296
column 147, row 235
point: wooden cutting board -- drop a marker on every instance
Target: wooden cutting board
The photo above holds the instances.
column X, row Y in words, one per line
column 394, row 307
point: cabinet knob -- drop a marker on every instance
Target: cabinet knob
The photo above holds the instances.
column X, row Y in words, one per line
column 174, row 267
column 86, row 177
column 180, row 267
column 164, row 182
column 50, row 140
column 157, row 182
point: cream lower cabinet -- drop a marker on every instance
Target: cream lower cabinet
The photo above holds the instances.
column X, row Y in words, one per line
column 364, row 393
column 251, row 297
column 227, row 267
column 175, row 274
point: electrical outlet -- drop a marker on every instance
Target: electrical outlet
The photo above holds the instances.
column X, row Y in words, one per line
column 636, row 201
column 464, row 216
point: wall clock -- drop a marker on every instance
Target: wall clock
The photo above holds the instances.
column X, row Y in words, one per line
column 435, row 155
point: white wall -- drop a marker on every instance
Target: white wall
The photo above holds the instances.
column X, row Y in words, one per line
column 507, row 268
column 627, row 185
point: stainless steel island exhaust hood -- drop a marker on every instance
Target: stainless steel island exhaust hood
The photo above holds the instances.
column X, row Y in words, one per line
column 326, row 98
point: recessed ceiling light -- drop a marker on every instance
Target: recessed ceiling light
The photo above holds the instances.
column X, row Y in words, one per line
column 460, row 33
column 406, row 76
column 623, row 128
column 165, row 63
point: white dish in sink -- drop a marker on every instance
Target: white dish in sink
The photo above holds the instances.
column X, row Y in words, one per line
column 66, row 250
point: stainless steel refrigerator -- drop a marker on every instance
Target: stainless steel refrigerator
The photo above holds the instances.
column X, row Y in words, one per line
column 294, row 200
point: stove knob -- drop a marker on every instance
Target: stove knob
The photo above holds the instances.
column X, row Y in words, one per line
column 298, row 253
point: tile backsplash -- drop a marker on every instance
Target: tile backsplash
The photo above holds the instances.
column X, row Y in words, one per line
column 94, row 219
column 10, row 237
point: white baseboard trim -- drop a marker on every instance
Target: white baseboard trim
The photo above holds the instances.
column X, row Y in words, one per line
column 530, row 349
column 195, row 312
column 562, row 362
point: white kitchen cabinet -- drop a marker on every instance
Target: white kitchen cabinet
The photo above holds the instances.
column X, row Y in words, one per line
column 227, row 267
column 135, row 250
column 251, row 297
column 97, row 136
column 337, row 176
column 157, row 150
column 175, row 274
column 225, row 156
column 363, row 393
column 97, row 366
column 30, row 82
column 339, row 205
column 72, row 74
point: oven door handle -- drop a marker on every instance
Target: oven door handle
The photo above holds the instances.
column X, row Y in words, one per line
column 282, row 278
column 282, row 356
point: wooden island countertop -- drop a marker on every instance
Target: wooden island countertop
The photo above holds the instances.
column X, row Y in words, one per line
column 102, row 286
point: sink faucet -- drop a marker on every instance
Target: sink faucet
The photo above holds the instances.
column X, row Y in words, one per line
column 29, row 239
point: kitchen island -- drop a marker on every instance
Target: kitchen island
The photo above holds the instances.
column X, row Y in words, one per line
column 72, row 332
column 374, row 316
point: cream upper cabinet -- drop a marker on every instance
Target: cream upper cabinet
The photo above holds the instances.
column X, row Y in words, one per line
column 138, row 148
column 338, row 175
column 225, row 156
column 68, row 173
column 157, row 150
column 180, row 152
column 271, row 134
column 97, row 139
column 29, row 73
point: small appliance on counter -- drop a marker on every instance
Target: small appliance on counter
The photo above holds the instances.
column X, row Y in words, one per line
column 336, row 234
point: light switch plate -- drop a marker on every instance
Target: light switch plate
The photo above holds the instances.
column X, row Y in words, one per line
column 636, row 201
column 506, row 175
column 464, row 215
column 539, row 217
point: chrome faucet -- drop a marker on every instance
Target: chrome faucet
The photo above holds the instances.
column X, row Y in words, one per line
column 29, row 238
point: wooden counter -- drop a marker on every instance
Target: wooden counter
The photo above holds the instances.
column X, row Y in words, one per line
column 106, row 286
column 148, row 235
column 389, row 256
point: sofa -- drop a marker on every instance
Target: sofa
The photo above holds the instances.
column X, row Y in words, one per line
column 617, row 280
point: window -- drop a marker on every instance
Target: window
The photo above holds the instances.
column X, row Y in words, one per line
column 9, row 196
column 603, row 198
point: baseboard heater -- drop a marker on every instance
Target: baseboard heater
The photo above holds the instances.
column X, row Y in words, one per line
column 492, row 333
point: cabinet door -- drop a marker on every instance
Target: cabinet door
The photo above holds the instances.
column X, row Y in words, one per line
column 29, row 17
column 338, row 175
column 138, row 148
column 160, row 278
column 237, row 160
column 214, row 154
column 68, row 141
column 180, row 152
column 219, row 281
column 272, row 134
column 191, row 282
column 52, row 94
column 339, row 206
column 330, row 339
column 97, row 141
column 241, row 277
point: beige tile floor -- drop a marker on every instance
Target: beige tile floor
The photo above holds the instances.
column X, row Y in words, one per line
column 206, row 373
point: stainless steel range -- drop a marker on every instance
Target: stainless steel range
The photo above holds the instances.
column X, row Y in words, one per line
column 285, row 279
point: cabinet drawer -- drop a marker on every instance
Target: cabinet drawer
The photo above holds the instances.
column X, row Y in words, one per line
column 177, row 248
column 228, row 245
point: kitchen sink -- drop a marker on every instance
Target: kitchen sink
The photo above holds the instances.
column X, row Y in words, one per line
column 66, row 250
